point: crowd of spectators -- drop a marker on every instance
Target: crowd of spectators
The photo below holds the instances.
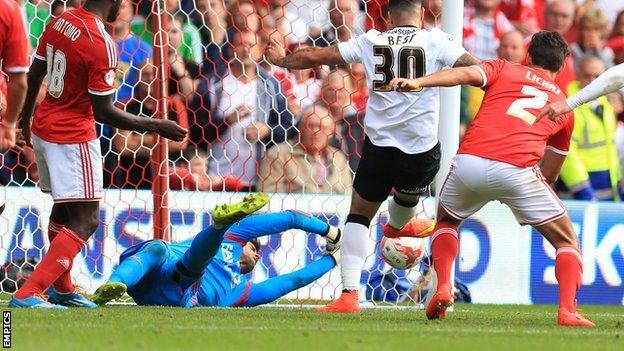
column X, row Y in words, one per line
column 257, row 127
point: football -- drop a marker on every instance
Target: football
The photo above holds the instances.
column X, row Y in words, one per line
column 403, row 252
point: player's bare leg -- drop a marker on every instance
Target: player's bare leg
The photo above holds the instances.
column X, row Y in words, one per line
column 354, row 238
column 444, row 248
column 568, row 269
column 68, row 242
column 401, row 211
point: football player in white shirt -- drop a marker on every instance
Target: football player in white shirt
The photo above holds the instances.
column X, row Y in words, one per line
column 401, row 150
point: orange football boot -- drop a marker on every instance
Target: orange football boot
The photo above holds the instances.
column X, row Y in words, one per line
column 348, row 302
column 418, row 228
column 573, row 319
column 441, row 300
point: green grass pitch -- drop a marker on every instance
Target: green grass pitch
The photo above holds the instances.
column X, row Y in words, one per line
column 470, row 327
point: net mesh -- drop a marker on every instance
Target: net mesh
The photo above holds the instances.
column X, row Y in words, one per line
column 252, row 127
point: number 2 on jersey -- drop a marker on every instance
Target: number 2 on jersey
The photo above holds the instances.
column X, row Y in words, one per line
column 536, row 100
column 411, row 65
column 56, row 70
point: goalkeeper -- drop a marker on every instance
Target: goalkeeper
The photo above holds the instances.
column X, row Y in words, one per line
column 209, row 269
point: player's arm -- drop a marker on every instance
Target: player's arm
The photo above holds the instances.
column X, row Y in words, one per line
column 274, row 288
column 106, row 112
column 610, row 81
column 275, row 223
column 16, row 93
column 36, row 74
column 447, row 78
column 303, row 58
column 467, row 60
column 15, row 65
column 557, row 148
column 551, row 165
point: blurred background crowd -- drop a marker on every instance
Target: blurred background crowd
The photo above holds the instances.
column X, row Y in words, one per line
column 257, row 127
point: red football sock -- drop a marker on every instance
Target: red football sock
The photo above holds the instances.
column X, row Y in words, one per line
column 444, row 247
column 57, row 260
column 568, row 271
column 64, row 283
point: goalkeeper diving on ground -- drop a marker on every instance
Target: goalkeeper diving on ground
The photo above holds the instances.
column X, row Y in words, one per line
column 209, row 269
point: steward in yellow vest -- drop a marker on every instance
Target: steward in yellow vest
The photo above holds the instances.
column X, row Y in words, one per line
column 591, row 170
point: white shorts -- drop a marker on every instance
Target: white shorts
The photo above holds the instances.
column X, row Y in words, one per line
column 474, row 181
column 71, row 172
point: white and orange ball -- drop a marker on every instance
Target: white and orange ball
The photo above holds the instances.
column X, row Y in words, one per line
column 403, row 252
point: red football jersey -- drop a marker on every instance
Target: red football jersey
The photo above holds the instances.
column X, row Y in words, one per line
column 82, row 59
column 13, row 42
column 504, row 129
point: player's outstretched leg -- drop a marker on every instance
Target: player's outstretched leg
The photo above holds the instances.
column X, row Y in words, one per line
column 206, row 244
column 444, row 248
column 144, row 260
column 401, row 219
column 568, row 270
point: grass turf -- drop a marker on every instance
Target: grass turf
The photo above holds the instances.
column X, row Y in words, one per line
column 470, row 327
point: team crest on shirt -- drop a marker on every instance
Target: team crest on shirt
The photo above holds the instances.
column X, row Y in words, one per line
column 109, row 77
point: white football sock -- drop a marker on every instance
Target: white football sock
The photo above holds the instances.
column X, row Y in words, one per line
column 354, row 244
column 399, row 215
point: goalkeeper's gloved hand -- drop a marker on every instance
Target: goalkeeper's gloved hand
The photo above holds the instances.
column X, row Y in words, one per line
column 333, row 237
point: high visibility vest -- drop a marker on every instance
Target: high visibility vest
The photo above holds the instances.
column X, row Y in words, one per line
column 592, row 148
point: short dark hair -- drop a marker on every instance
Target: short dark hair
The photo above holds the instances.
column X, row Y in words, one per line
column 403, row 5
column 548, row 50
column 256, row 243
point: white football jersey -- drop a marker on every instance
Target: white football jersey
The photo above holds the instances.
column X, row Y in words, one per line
column 405, row 120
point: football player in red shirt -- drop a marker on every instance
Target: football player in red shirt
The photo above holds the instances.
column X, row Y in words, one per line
column 80, row 59
column 498, row 160
column 14, row 58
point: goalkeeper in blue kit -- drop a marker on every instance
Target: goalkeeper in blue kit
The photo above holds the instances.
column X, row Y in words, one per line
column 209, row 269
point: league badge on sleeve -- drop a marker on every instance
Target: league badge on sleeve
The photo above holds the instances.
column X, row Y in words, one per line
column 109, row 77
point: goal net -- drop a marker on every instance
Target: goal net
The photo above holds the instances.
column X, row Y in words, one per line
column 252, row 127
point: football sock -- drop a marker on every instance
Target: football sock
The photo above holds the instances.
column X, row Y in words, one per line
column 444, row 247
column 57, row 260
column 354, row 243
column 64, row 283
column 400, row 212
column 568, row 271
column 149, row 258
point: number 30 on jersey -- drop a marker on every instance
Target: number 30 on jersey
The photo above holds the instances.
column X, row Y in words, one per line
column 56, row 70
column 411, row 65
